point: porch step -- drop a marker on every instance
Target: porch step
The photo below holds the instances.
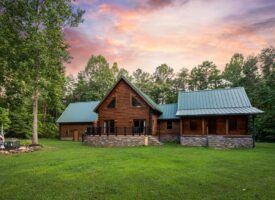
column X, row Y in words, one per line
column 153, row 140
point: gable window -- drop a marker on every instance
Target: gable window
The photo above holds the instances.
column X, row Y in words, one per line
column 169, row 125
column 112, row 103
column 135, row 102
column 232, row 124
column 193, row 125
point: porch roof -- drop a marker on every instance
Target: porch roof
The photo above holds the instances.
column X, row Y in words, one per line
column 79, row 112
column 230, row 101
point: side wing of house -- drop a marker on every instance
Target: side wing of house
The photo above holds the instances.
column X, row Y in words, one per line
column 168, row 123
column 75, row 120
column 215, row 112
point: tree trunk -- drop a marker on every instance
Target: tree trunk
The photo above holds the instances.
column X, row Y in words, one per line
column 35, row 115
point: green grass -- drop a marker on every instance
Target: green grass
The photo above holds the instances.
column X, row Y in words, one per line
column 70, row 170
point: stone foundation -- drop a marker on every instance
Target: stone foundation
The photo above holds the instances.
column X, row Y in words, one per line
column 119, row 141
column 219, row 141
column 169, row 138
column 240, row 141
column 193, row 140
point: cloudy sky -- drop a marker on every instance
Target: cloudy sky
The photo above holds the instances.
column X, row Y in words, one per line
column 181, row 33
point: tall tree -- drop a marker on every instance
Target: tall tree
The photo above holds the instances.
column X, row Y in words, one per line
column 164, row 91
column 181, row 80
column 204, row 76
column 96, row 79
column 143, row 80
column 266, row 94
column 38, row 27
column 233, row 70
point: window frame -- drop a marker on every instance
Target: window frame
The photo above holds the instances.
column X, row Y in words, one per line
column 113, row 99
column 232, row 124
column 193, row 125
column 138, row 101
column 169, row 124
column 67, row 132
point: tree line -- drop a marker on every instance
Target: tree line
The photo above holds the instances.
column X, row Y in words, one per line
column 34, row 89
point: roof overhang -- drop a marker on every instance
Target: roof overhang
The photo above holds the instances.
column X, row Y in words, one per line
column 219, row 111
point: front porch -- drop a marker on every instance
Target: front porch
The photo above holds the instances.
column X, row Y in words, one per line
column 216, row 131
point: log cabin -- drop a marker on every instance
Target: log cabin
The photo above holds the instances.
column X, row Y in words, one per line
column 215, row 118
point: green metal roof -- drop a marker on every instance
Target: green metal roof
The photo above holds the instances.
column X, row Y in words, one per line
column 79, row 112
column 215, row 102
column 168, row 111
column 145, row 97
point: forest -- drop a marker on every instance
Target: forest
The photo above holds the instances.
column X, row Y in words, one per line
column 34, row 88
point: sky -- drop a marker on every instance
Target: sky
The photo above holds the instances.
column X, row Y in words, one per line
column 181, row 33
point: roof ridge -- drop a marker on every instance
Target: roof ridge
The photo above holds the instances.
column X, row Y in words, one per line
column 217, row 108
column 211, row 90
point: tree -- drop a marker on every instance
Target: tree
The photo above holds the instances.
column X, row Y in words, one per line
column 205, row 76
column 163, row 87
column 34, row 31
column 181, row 80
column 266, row 94
column 233, row 70
column 96, row 80
column 4, row 118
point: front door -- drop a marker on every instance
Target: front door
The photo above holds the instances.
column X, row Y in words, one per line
column 212, row 126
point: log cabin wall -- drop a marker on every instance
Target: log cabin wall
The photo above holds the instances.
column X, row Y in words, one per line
column 66, row 130
column 154, row 123
column 163, row 130
column 124, row 113
column 221, row 127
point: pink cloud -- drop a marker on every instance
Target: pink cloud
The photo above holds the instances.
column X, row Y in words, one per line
column 179, row 33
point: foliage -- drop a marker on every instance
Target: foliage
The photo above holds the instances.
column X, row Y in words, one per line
column 32, row 43
column 204, row 76
column 4, row 118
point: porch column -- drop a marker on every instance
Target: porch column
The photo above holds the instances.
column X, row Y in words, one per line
column 202, row 121
column 180, row 126
column 226, row 126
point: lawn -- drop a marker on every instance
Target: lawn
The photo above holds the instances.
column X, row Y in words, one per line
column 70, row 170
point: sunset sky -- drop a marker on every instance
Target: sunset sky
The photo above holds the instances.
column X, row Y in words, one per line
column 181, row 33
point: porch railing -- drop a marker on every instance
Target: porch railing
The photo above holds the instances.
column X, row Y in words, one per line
column 118, row 131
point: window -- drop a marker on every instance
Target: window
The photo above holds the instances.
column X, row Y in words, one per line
column 109, row 126
column 169, row 125
column 193, row 125
column 67, row 132
column 135, row 102
column 112, row 104
column 232, row 124
column 139, row 125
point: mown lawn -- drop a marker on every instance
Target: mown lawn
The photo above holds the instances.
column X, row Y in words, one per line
column 70, row 170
